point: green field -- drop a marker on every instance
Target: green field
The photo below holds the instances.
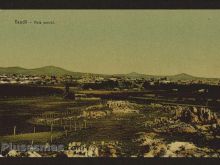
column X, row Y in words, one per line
column 39, row 137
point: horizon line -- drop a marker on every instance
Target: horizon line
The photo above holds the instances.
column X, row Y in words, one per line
column 110, row 74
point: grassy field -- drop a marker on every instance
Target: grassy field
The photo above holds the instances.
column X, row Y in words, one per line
column 121, row 127
column 17, row 111
column 39, row 137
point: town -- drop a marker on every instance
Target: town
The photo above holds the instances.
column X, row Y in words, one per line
column 106, row 81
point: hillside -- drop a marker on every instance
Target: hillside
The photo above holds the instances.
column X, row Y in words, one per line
column 57, row 71
column 183, row 76
column 47, row 70
column 135, row 75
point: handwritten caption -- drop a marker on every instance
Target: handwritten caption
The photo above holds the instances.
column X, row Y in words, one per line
column 36, row 22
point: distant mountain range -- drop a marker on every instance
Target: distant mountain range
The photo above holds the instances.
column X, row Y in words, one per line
column 181, row 76
column 52, row 70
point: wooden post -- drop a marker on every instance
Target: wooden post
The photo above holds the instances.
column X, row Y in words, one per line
column 85, row 124
column 66, row 132
column 51, row 138
column 14, row 130
column 61, row 121
column 70, row 125
column 51, row 128
column 75, row 125
column 34, row 130
column 46, row 119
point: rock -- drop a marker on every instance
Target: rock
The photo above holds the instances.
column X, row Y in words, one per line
column 178, row 127
column 196, row 115
column 214, row 126
column 113, row 152
column 13, row 153
column 133, row 156
column 178, row 146
column 33, row 154
column 156, row 150
column 69, row 153
column 209, row 137
column 202, row 127
column 215, row 155
column 187, row 149
column 217, row 137
column 154, row 147
column 186, row 129
column 194, row 110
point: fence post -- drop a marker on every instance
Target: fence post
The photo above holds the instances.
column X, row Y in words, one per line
column 61, row 121
column 85, row 124
column 51, row 128
column 14, row 130
column 34, row 130
column 70, row 125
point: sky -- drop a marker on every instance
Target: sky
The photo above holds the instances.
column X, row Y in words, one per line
column 155, row 42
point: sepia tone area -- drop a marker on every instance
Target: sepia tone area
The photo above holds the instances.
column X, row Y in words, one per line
column 109, row 83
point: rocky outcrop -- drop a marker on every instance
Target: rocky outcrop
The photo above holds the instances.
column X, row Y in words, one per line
column 123, row 107
column 13, row 153
column 177, row 127
column 196, row 115
column 155, row 147
column 33, row 154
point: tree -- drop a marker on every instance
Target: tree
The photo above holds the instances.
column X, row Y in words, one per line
column 67, row 93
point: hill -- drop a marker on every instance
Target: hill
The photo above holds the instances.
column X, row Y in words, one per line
column 183, row 76
column 47, row 70
column 135, row 75
column 57, row 71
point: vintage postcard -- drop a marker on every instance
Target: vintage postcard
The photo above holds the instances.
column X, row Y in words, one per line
column 109, row 83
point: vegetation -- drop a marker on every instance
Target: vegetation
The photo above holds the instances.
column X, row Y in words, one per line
column 39, row 137
column 12, row 90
